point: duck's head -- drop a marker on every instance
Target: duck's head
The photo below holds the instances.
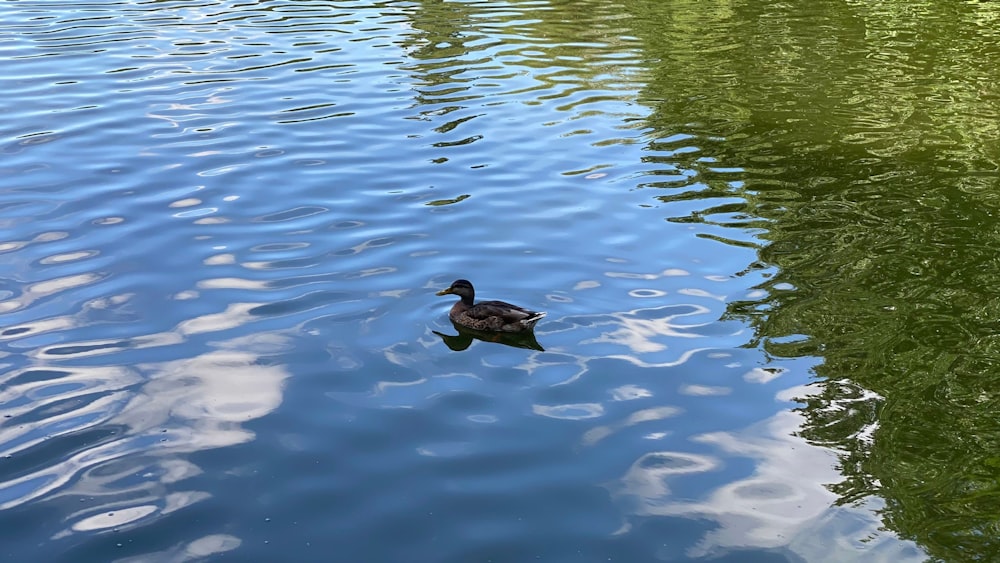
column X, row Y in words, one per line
column 461, row 288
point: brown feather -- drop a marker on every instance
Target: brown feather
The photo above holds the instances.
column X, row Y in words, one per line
column 494, row 316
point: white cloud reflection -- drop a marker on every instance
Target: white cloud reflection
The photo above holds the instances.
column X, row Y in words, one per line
column 599, row 433
column 574, row 411
column 195, row 550
column 639, row 329
column 140, row 431
column 784, row 504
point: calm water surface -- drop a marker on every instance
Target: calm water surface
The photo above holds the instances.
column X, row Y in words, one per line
column 224, row 224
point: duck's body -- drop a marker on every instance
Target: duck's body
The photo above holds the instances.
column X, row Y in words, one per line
column 492, row 316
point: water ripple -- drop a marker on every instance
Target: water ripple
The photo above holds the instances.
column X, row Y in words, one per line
column 224, row 226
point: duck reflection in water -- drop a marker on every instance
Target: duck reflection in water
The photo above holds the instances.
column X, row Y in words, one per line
column 465, row 336
column 490, row 321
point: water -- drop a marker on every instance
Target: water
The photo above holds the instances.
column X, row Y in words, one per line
column 760, row 234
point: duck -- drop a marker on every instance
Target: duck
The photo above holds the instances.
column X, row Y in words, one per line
column 489, row 316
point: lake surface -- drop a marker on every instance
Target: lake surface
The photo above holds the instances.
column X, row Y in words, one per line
column 764, row 234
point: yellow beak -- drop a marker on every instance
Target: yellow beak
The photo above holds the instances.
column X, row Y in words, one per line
column 444, row 291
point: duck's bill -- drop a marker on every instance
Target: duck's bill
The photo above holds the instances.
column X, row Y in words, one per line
column 444, row 291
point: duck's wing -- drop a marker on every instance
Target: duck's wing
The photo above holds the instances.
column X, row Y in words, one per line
column 508, row 312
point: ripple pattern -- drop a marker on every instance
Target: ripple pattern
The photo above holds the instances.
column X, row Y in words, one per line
column 223, row 225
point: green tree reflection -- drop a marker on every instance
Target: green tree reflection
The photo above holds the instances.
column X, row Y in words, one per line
column 867, row 140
